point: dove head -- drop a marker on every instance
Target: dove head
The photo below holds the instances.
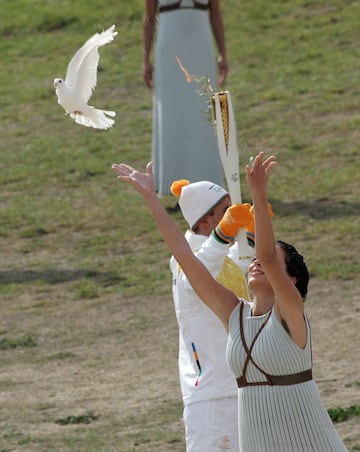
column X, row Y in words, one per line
column 58, row 81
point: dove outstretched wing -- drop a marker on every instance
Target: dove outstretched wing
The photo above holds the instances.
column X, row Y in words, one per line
column 81, row 73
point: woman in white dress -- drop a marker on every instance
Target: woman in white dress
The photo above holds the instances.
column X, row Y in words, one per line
column 269, row 339
column 184, row 144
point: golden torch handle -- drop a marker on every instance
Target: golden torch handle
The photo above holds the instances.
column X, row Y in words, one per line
column 224, row 121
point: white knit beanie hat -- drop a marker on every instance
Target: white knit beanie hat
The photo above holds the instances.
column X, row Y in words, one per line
column 197, row 199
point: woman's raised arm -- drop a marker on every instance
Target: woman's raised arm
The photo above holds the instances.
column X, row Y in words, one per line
column 288, row 302
column 212, row 293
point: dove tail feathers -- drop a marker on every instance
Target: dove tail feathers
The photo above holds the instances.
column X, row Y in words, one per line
column 95, row 118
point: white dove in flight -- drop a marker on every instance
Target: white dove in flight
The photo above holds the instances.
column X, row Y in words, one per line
column 81, row 76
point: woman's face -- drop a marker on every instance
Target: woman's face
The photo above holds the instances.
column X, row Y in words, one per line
column 256, row 275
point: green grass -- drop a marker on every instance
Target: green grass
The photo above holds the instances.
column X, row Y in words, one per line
column 76, row 244
column 341, row 414
column 7, row 343
column 85, row 418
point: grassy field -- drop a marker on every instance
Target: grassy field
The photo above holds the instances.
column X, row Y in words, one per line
column 88, row 337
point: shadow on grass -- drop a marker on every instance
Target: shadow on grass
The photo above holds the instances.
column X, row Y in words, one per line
column 319, row 209
column 55, row 276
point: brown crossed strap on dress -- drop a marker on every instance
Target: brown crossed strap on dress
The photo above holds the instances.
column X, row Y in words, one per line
column 177, row 5
column 271, row 380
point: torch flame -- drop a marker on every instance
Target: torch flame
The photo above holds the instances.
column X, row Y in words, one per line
column 189, row 77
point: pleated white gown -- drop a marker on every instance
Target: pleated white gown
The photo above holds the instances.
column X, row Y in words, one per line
column 277, row 418
column 184, row 142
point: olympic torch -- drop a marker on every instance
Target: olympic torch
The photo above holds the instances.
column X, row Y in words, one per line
column 222, row 117
column 224, row 122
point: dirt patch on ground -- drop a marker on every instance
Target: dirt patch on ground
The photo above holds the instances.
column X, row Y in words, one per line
column 334, row 312
column 118, row 357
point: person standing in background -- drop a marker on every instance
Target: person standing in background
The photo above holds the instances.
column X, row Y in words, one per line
column 184, row 144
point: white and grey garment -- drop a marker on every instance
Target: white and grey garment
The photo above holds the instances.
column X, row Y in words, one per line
column 278, row 416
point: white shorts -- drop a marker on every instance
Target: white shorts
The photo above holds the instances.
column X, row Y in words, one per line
column 212, row 426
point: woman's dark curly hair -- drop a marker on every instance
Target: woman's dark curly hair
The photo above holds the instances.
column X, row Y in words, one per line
column 296, row 266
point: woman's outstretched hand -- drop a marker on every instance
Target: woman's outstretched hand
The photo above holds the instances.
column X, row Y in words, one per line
column 257, row 174
column 143, row 182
